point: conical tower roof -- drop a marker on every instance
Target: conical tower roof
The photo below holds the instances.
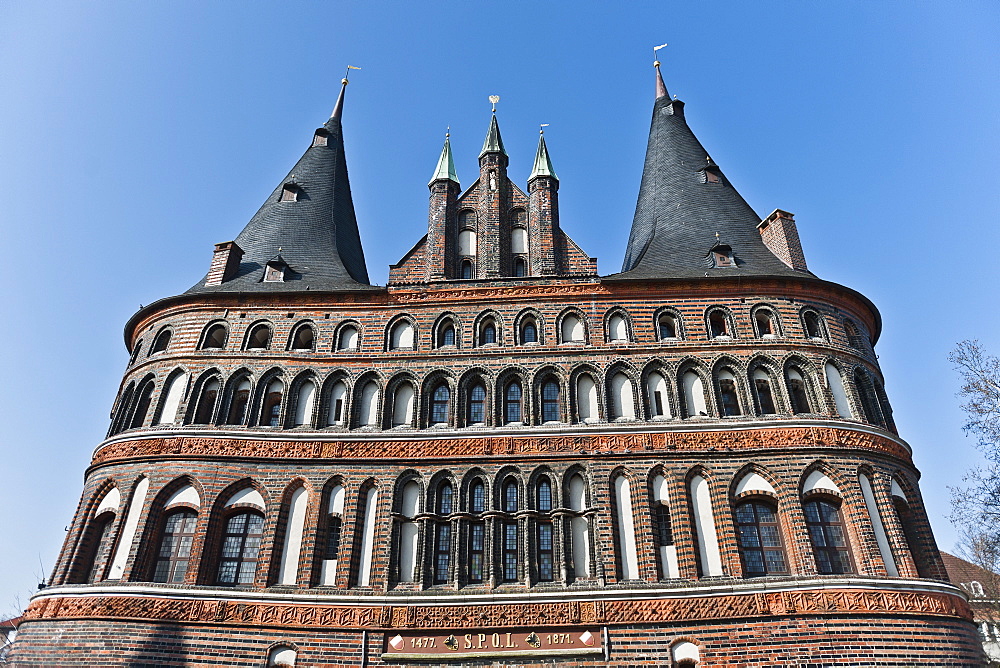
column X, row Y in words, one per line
column 543, row 163
column 685, row 205
column 445, row 169
column 493, row 142
column 316, row 231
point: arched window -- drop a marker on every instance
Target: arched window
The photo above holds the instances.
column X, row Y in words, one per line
column 572, row 329
column 854, row 337
column 206, row 401
column 666, row 327
column 907, row 522
column 659, row 401
column 331, row 543
column 518, row 241
column 239, row 550
column 487, row 332
column 401, row 337
column 765, row 323
column 161, row 342
column 175, row 546
column 551, row 408
column 442, row 534
column 709, row 555
column 259, row 337
column 348, row 338
column 304, row 339
column 439, row 404
column 98, row 546
column 402, row 405
column 135, row 353
column 866, row 392
column 763, row 387
column 520, row 267
column 797, row 391
column 366, row 520
column 617, row 328
column 545, row 553
column 304, row 403
column 368, row 405
column 694, row 394
column 215, row 337
column 685, row 654
column 826, row 531
column 622, row 397
column 509, row 528
column 467, row 269
column 628, row 560
column 760, row 539
column 579, row 527
column 813, row 325
column 172, row 398
column 586, row 399
column 529, row 331
column 718, row 325
column 270, row 409
column 338, row 404
column 238, row 403
column 729, row 399
column 836, row 383
column 282, row 656
column 477, row 532
column 145, row 396
column 446, row 335
column 467, row 242
column 409, row 508
column 663, row 529
column 512, row 403
column 477, row 405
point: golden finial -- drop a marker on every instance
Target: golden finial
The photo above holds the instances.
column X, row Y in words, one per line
column 493, row 100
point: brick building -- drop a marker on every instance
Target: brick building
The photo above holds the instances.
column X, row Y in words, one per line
column 503, row 457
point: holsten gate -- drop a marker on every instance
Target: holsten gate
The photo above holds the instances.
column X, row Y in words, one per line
column 502, row 456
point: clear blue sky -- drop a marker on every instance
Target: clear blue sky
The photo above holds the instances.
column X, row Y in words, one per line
column 133, row 136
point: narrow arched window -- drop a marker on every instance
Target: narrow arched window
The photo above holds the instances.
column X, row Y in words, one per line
column 760, row 540
column 829, row 541
column 467, row 242
column 520, row 267
column 718, row 325
column 545, row 554
column 174, row 553
column 529, row 332
column 659, row 402
column 518, row 241
column 330, row 547
column 694, row 394
column 401, row 336
column 854, row 338
column 477, row 532
column 550, row 402
column 135, row 353
column 586, row 399
column 666, row 327
column 866, row 392
column 402, row 405
column 270, row 411
column 173, row 394
column 238, row 403
column 764, row 391
column 368, row 405
column 813, row 325
column 161, row 342
column 628, row 560
column 797, row 391
column 836, row 383
column 259, row 338
column 617, row 328
column 477, row 405
column 215, row 337
column 579, row 527
column 240, row 548
column 488, row 333
column 913, row 539
column 98, row 546
column 145, row 396
column 466, row 269
column 206, row 402
column 729, row 400
column 622, row 397
column 572, row 329
column 304, row 338
column 348, row 338
column 764, row 320
column 338, row 403
column 409, row 508
column 304, row 403
column 284, row 657
column 512, row 403
column 663, row 529
column 446, row 337
column 509, row 543
column 442, row 537
column 439, row 404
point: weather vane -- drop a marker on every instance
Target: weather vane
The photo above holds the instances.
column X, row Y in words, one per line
column 541, row 128
column 348, row 72
column 493, row 100
column 656, row 63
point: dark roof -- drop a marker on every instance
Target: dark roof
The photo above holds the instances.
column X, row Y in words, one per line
column 680, row 211
column 317, row 235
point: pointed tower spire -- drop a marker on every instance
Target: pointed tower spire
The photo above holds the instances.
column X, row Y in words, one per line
column 445, row 169
column 494, row 142
column 684, row 201
column 543, row 164
column 310, row 216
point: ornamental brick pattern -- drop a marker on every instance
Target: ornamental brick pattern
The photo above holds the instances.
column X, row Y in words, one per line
column 529, row 448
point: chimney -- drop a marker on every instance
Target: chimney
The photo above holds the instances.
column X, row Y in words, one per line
column 782, row 238
column 225, row 263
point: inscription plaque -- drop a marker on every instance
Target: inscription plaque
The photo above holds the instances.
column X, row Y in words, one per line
column 473, row 643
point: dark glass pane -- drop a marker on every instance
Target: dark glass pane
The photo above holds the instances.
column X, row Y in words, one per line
column 489, row 333
column 667, row 328
column 530, row 334
column 545, row 495
column 478, row 497
column 730, row 403
column 445, row 500
column 510, row 497
column 765, row 396
column 550, row 402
